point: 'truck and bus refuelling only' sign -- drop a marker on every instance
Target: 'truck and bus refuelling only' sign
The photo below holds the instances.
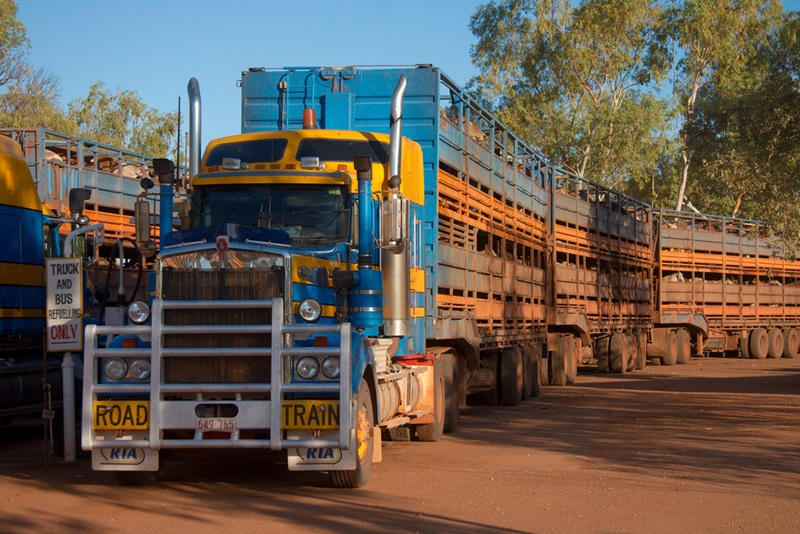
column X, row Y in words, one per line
column 64, row 305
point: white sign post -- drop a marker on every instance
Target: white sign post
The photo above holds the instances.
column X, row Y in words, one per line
column 65, row 332
column 64, row 305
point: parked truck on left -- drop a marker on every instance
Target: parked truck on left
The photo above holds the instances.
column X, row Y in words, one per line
column 51, row 187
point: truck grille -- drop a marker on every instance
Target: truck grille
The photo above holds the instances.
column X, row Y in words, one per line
column 221, row 285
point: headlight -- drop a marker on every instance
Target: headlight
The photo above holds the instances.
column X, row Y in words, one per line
column 310, row 310
column 307, row 367
column 331, row 367
column 138, row 312
column 140, row 369
column 116, row 368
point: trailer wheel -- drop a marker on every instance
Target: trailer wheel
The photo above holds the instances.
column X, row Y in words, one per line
column 744, row 349
column 684, row 349
column 641, row 347
column 776, row 343
column 618, row 353
column 791, row 342
column 433, row 431
column 601, row 354
column 452, row 394
column 633, row 352
column 365, row 446
column 536, row 370
column 671, row 357
column 559, row 361
column 572, row 359
column 759, row 344
column 135, row 478
column 527, row 372
column 511, row 376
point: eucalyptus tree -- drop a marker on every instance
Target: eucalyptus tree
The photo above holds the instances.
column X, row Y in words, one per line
column 579, row 81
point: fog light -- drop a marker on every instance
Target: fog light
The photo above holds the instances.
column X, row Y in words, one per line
column 307, row 367
column 331, row 367
column 116, row 369
column 140, row 369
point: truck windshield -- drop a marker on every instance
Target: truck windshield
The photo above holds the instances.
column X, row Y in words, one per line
column 311, row 214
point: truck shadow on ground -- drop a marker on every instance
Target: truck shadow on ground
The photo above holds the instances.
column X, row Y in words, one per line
column 728, row 431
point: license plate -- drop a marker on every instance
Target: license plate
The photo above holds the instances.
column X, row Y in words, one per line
column 215, row 424
column 121, row 415
column 310, row 415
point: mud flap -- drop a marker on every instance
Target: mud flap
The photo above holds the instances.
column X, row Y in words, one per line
column 125, row 459
column 328, row 458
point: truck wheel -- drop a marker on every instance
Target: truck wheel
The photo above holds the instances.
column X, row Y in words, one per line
column 572, row 359
column 433, row 431
column 511, row 379
column 633, row 352
column 527, row 372
column 744, row 349
column 790, row 342
column 618, row 353
column 452, row 396
column 684, row 352
column 364, row 421
column 601, row 353
column 759, row 344
column 641, row 349
column 536, row 370
column 135, row 478
column 776, row 343
column 559, row 361
column 671, row 357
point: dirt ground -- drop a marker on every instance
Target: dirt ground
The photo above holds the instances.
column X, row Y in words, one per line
column 712, row 446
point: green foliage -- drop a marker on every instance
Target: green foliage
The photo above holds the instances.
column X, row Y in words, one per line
column 29, row 98
column 122, row 119
column 579, row 83
column 13, row 44
column 746, row 136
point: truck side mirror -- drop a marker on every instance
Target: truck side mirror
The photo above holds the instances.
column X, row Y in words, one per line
column 141, row 215
column 77, row 203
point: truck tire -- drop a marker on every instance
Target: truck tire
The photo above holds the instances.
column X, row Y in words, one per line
column 671, row 357
column 759, row 344
column 618, row 353
column 452, row 394
column 572, row 359
column 527, row 372
column 641, row 346
column 776, row 343
column 536, row 370
column 511, row 376
column 744, row 349
column 433, row 431
column 559, row 362
column 790, row 342
column 601, row 353
column 364, row 421
column 684, row 350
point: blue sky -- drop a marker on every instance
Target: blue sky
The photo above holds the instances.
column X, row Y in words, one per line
column 155, row 46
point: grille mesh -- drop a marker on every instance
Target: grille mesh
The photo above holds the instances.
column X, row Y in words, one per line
column 224, row 284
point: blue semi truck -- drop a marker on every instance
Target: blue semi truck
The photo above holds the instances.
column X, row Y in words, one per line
column 370, row 253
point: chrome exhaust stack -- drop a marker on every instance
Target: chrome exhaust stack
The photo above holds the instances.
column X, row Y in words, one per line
column 195, row 126
column 395, row 231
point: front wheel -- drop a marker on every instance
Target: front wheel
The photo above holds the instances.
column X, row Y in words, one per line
column 364, row 422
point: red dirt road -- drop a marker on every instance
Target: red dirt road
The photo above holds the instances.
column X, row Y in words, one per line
column 713, row 446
